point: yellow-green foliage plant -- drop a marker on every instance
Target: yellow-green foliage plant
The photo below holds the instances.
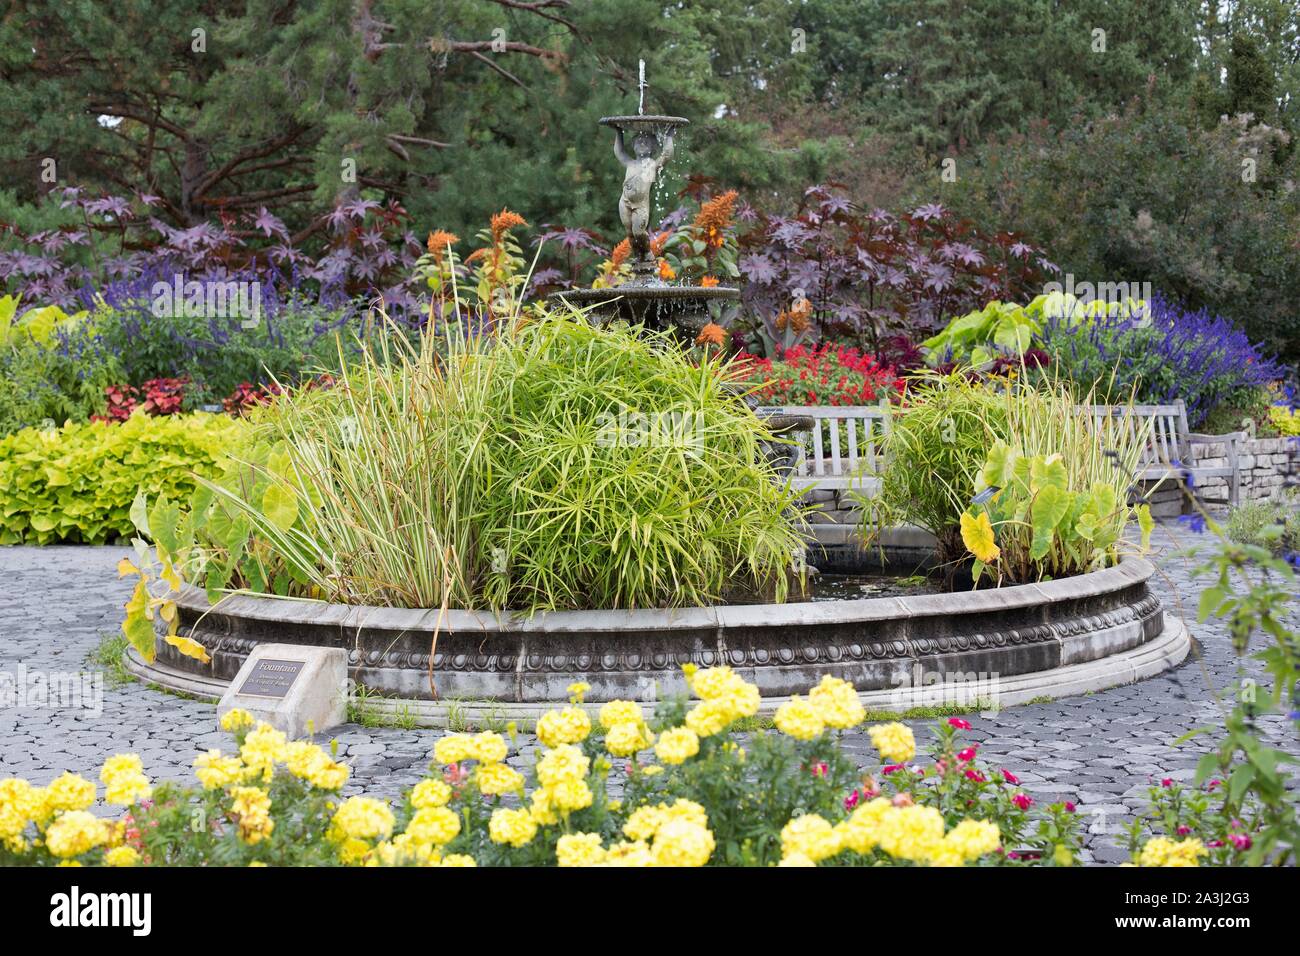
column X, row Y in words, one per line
column 1051, row 500
column 77, row 483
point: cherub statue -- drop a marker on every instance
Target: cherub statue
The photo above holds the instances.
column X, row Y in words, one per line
column 643, row 167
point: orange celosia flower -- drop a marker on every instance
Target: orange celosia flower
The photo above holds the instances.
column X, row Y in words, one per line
column 711, row 334
column 709, row 282
column 439, row 241
column 714, row 217
column 620, row 253
column 504, row 220
column 666, row 271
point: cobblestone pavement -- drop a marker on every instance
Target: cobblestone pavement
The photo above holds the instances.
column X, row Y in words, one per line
column 1100, row 750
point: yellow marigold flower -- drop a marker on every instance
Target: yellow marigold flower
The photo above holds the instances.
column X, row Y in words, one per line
column 799, row 719
column 811, row 835
column 20, row 803
column 433, row 825
column 713, row 682
column 620, row 712
column 568, row 726
column 796, row 859
column 235, row 720
column 402, row 850
column 215, row 771
column 458, row 859
column 352, row 851
column 69, row 863
column 262, row 749
column 709, row 717
column 122, row 856
column 570, row 795
column 652, row 771
column 974, row 838
column 837, row 704
column 911, row 833
column 946, row 854
column 124, row 780
column 861, row 831
column 623, row 740
column 252, row 809
column 430, row 793
column 540, row 808
column 69, row 791
column 327, row 775
column 495, row 778
column 362, row 818
column 895, row 741
column 635, row 853
column 682, row 842
column 488, row 747
column 74, row 833
column 644, row 822
column 579, row 849
column 453, row 748
column 562, row 764
column 1162, row 851
column 515, row 827
column 577, row 691
column 677, row 745
column 743, row 700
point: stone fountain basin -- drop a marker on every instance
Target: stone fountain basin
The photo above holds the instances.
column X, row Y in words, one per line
column 1059, row 637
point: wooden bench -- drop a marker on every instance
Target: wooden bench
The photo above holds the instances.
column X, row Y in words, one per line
column 845, row 450
column 1168, row 451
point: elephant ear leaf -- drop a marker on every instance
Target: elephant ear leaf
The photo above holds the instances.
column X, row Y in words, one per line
column 138, row 626
column 1047, row 473
column 1050, row 505
column 280, row 505
column 999, row 466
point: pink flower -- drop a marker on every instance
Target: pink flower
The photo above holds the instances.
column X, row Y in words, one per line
column 1069, row 806
column 973, row 774
column 1013, row 855
column 1167, row 782
column 1022, row 800
column 967, row 755
column 1239, row 840
column 1214, row 783
column 1184, row 830
column 819, row 769
column 893, row 768
column 1215, row 844
column 1010, row 777
column 851, row 800
column 959, row 723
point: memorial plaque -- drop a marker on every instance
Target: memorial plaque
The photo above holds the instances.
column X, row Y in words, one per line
column 297, row 689
column 271, row 678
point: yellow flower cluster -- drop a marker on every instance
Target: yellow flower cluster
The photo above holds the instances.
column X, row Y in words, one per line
column 487, row 747
column 677, row 745
column 251, row 808
column 913, row 833
column 837, row 704
column 798, row 718
column 124, row 780
column 69, row 791
column 725, row 697
column 579, row 849
column 216, row 772
column 895, row 741
column 20, row 804
column 74, row 833
column 262, row 750
column 496, row 778
column 1162, row 851
column 676, row 835
column 513, row 827
column 625, row 739
column 430, row 793
column 571, row 725
column 235, row 720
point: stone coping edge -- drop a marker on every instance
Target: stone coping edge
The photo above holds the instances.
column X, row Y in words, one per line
column 1130, row 571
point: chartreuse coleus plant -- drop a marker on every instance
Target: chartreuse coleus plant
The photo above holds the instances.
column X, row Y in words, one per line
column 1028, row 523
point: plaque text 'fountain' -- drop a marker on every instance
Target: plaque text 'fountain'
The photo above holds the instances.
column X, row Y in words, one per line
column 644, row 145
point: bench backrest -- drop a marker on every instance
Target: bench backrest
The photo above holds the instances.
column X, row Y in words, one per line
column 1167, row 440
column 846, row 439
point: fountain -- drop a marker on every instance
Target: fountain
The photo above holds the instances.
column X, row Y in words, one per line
column 644, row 145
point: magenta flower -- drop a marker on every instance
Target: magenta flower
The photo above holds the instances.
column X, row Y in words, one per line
column 967, row 755
column 851, row 800
column 959, row 723
column 819, row 769
column 1022, row 800
column 1010, row 778
column 893, row 768
column 1214, row 783
column 973, row 774
column 1167, row 782
column 1183, row 830
column 1069, row 806
column 1239, row 840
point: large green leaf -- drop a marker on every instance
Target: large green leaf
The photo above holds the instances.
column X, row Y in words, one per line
column 1050, row 505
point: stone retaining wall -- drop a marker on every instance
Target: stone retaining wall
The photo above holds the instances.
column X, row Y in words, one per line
column 1264, row 463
